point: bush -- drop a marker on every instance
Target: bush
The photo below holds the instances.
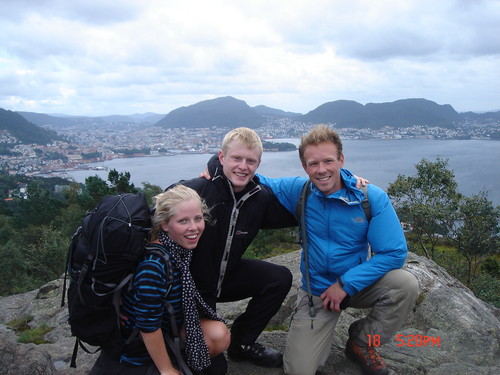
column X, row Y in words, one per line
column 487, row 288
column 491, row 266
column 272, row 242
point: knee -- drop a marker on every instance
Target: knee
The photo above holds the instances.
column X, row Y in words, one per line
column 283, row 277
column 410, row 285
column 217, row 337
column 404, row 285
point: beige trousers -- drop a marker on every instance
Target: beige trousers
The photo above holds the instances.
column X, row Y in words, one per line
column 309, row 340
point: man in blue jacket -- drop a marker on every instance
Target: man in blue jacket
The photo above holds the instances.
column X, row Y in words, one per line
column 338, row 234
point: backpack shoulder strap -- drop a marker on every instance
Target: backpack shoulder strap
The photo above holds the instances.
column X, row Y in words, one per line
column 300, row 215
column 158, row 250
column 366, row 203
column 304, row 193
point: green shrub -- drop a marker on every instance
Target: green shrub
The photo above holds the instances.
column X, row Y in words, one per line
column 487, row 288
column 491, row 266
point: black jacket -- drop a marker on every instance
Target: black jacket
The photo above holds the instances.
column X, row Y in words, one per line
column 254, row 208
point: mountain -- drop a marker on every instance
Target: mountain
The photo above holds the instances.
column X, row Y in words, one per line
column 58, row 121
column 272, row 112
column 23, row 130
column 481, row 117
column 231, row 112
column 222, row 112
column 401, row 113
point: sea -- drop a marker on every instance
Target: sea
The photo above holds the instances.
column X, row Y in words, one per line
column 475, row 163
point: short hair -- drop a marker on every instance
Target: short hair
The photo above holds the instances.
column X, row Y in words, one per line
column 319, row 134
column 165, row 205
column 245, row 136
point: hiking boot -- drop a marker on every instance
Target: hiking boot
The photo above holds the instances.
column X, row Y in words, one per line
column 256, row 353
column 367, row 357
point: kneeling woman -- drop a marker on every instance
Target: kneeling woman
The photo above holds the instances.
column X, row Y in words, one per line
column 178, row 223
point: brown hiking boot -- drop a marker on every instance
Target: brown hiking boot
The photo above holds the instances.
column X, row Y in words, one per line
column 367, row 357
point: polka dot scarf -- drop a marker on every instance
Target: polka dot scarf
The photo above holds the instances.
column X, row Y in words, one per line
column 193, row 305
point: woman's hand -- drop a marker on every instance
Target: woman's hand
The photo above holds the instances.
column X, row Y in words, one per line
column 172, row 371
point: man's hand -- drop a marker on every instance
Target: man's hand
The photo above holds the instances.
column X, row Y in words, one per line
column 332, row 297
column 360, row 181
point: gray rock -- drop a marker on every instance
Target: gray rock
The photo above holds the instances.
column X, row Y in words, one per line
column 466, row 331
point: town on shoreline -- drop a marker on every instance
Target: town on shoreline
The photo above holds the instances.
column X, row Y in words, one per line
column 84, row 145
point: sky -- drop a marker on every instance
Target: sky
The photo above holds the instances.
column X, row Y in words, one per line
column 103, row 57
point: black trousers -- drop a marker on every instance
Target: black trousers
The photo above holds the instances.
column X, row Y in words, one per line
column 266, row 284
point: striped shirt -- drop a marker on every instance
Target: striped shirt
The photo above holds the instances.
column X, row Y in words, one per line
column 143, row 304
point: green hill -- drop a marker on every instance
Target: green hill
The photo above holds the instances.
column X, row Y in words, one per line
column 401, row 113
column 221, row 112
column 23, row 130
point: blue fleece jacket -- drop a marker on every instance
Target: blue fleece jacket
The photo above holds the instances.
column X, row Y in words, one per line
column 338, row 233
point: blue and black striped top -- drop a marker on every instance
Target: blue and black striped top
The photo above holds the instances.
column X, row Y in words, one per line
column 143, row 303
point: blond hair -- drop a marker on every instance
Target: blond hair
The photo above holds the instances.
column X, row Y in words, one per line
column 245, row 136
column 166, row 205
column 319, row 134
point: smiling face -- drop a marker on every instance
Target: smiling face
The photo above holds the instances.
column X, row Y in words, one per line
column 322, row 164
column 239, row 163
column 186, row 225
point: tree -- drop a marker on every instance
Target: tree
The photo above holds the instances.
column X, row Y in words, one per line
column 475, row 233
column 428, row 201
column 39, row 208
column 97, row 188
column 6, row 229
column 31, row 258
column 120, row 182
column 12, row 269
column 150, row 191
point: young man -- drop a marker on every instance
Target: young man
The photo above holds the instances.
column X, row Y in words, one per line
column 240, row 206
column 338, row 234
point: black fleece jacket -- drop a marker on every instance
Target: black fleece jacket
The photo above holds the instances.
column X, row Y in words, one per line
column 260, row 210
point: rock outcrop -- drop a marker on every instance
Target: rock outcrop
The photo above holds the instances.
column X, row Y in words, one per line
column 463, row 333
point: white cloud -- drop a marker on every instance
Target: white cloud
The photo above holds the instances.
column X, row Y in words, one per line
column 102, row 57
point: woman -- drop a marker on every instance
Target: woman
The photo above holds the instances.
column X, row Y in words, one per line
column 178, row 223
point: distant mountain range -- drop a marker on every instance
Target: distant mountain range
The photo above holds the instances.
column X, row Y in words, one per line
column 401, row 113
column 23, row 130
column 231, row 112
column 56, row 121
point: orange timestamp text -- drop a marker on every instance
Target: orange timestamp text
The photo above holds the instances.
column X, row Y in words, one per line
column 410, row 340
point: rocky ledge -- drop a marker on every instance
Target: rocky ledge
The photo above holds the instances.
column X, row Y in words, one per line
column 463, row 332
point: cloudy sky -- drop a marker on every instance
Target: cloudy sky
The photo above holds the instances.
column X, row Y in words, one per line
column 101, row 57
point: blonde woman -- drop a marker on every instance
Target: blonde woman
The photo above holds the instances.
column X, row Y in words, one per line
column 178, row 224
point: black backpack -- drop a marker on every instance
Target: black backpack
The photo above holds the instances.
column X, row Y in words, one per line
column 102, row 256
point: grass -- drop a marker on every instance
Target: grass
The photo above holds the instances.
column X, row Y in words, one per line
column 20, row 324
column 35, row 335
column 26, row 333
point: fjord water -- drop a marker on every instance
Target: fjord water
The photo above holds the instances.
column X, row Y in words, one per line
column 476, row 163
